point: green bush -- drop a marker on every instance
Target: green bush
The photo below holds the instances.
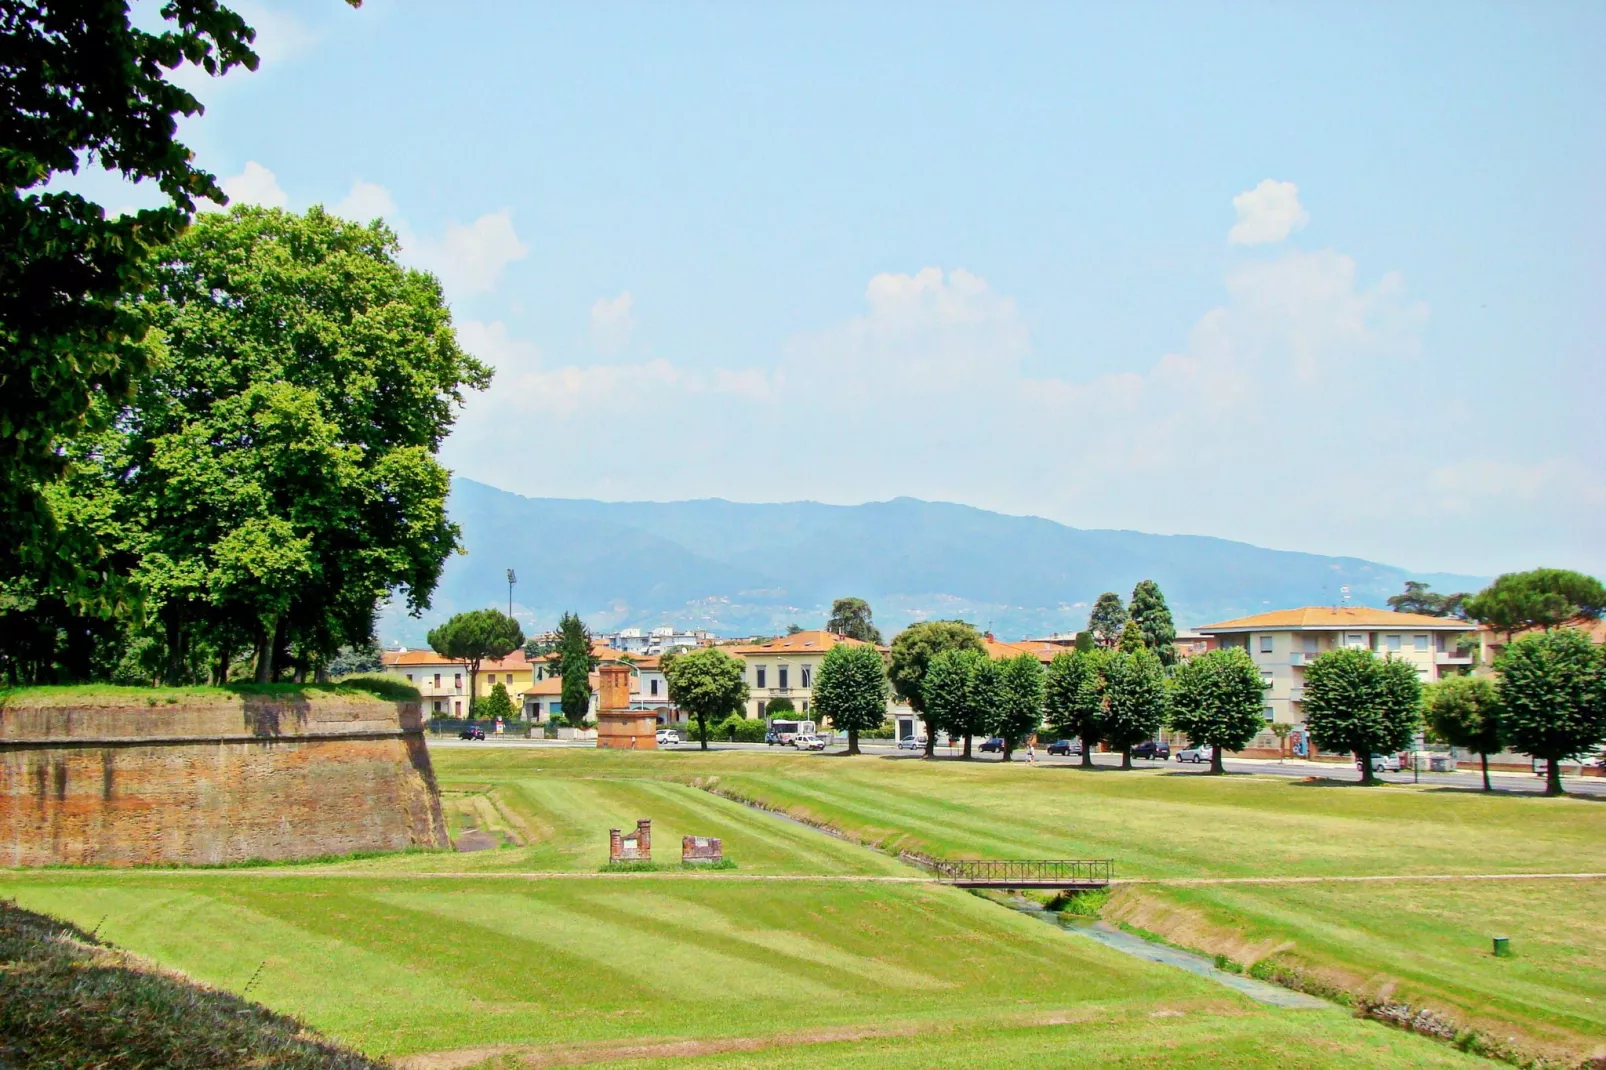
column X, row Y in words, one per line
column 735, row 729
column 776, row 707
column 886, row 731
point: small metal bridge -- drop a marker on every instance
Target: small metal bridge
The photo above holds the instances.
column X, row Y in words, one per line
column 1069, row 874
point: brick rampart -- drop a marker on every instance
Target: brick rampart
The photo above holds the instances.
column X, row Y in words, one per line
column 139, row 781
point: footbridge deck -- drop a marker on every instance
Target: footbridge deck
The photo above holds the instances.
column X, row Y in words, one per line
column 1068, row 874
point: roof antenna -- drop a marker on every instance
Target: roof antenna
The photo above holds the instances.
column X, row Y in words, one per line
column 1344, row 591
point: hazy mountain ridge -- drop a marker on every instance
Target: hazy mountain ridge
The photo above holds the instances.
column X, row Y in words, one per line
column 738, row 568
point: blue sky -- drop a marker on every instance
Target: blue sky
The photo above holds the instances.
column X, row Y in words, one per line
column 1316, row 277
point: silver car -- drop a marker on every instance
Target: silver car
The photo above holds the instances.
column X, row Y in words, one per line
column 1194, row 754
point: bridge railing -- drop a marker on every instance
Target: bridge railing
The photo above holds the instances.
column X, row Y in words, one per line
column 1091, row 871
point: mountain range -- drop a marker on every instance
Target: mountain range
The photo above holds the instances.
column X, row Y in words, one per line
column 737, row 568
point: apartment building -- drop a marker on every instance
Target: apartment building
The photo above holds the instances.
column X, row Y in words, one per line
column 444, row 683
column 785, row 667
column 1282, row 643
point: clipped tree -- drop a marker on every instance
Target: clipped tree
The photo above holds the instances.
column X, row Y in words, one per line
column 912, row 651
column 573, row 664
column 1150, row 613
column 1542, row 598
column 851, row 617
column 1464, row 711
column 473, row 637
column 497, row 704
column 1085, row 641
column 1358, row 703
column 1107, row 620
column 851, row 689
column 1135, row 700
column 962, row 692
column 1132, row 639
column 1216, row 700
column 1020, row 701
column 1552, row 695
column 708, row 684
column 1073, row 698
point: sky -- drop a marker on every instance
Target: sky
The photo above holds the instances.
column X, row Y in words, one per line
column 1320, row 277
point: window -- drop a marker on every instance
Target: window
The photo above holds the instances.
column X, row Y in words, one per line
column 760, row 673
column 806, row 674
column 409, row 677
column 457, row 681
column 437, row 705
column 1265, row 644
column 508, row 679
column 1270, row 712
column 761, row 705
column 654, row 686
column 1310, row 643
column 437, row 679
column 1355, row 641
column 781, row 672
column 1438, row 642
column 1265, row 680
column 457, row 708
column 1391, row 642
column 1420, row 642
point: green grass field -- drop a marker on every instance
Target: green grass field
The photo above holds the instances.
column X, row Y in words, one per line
column 457, row 953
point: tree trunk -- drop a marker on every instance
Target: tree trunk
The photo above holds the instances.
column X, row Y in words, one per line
column 853, row 741
column 175, row 652
column 702, row 730
column 300, row 674
column 1008, row 750
column 1553, row 778
column 473, row 689
column 1126, row 757
column 224, row 655
column 1087, row 754
column 265, row 644
column 1365, row 758
column 1486, row 786
column 321, row 673
column 967, row 746
column 1216, row 768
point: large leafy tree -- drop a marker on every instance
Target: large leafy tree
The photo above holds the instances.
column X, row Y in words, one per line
column 473, row 637
column 1107, row 620
column 708, row 684
column 1421, row 598
column 851, row 690
column 1148, row 610
column 1552, row 693
column 1358, row 703
column 498, row 704
column 912, row 651
column 1216, row 700
column 1542, row 598
column 1464, row 711
column 574, row 663
column 1135, row 700
column 963, row 690
column 1020, row 701
column 1074, row 698
column 852, row 617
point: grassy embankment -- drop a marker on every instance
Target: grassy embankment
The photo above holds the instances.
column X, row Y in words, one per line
column 380, row 687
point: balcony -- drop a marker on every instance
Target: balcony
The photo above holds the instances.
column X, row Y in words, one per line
column 1445, row 658
column 1304, row 657
column 1296, row 694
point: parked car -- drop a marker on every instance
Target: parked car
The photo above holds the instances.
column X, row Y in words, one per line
column 1152, row 749
column 1194, row 754
column 473, row 731
column 1383, row 763
column 808, row 742
column 994, row 745
column 911, row 743
column 668, row 737
column 1065, row 746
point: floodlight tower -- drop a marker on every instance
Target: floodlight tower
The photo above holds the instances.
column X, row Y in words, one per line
column 512, row 578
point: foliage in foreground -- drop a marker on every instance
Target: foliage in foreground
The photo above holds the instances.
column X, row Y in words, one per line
column 68, row 1001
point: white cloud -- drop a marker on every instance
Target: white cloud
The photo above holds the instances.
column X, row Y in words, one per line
column 612, row 322
column 366, row 202
column 280, row 35
column 1268, row 213
column 255, row 185
column 470, row 258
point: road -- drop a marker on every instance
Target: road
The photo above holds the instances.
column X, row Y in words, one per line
column 1521, row 783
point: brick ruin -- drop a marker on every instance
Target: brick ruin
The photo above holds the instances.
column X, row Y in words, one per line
column 618, row 726
column 634, row 847
column 701, row 849
column 146, row 780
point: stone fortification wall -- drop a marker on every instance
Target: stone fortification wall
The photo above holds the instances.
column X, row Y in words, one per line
column 145, row 780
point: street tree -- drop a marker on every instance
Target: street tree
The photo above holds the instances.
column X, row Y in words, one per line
column 473, row 637
column 498, row 704
column 1106, row 621
column 962, row 692
column 1074, row 698
column 851, row 689
column 1135, row 700
column 708, row 684
column 1217, row 699
column 1464, row 711
column 1150, row 613
column 1552, row 695
column 574, row 663
column 851, row 617
column 1020, row 702
column 912, row 651
column 1542, row 598
column 1357, row 703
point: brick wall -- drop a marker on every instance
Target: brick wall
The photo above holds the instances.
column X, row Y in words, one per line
column 139, row 781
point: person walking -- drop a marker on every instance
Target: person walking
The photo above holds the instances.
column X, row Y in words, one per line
column 1031, row 752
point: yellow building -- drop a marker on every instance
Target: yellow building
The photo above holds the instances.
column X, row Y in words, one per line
column 785, row 667
column 444, row 683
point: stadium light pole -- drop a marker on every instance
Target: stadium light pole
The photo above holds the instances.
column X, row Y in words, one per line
column 512, row 578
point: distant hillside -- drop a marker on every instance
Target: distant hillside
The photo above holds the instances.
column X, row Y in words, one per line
column 740, row 569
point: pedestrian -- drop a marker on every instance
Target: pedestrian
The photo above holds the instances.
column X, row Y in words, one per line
column 1031, row 753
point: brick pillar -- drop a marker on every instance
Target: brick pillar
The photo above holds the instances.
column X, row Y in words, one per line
column 616, row 845
column 613, row 687
column 644, row 837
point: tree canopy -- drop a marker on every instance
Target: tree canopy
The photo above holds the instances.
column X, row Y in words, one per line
column 1148, row 610
column 1135, row 700
column 1361, row 704
column 574, row 663
column 1552, row 695
column 497, row 704
column 912, row 651
column 1020, row 701
column 1420, row 598
column 1217, row 700
column 1542, row 598
column 963, row 689
column 851, row 689
column 709, row 684
column 851, row 617
column 1464, row 711
column 473, row 637
column 1107, row 619
column 1074, row 698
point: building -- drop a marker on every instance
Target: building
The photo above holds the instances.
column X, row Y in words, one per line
column 656, row 640
column 785, row 667
column 444, row 683
column 543, row 700
column 1282, row 643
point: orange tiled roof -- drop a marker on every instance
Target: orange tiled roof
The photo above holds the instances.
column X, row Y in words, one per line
column 553, row 686
column 815, row 642
column 1040, row 649
column 1335, row 617
column 1595, row 629
column 404, row 658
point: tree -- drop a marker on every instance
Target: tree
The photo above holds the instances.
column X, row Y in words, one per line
column 1216, row 700
column 1131, row 638
column 709, row 684
column 574, row 664
column 1419, row 598
column 912, row 651
column 1150, row 613
column 1464, row 711
column 497, row 704
column 1552, row 695
column 1357, row 703
column 474, row 636
column 777, row 706
column 851, row 690
column 1135, row 700
column 1085, row 642
column 793, row 628
column 1074, row 698
column 1543, row 598
column 1020, row 702
column 851, row 617
column 353, row 660
column 962, row 693
column 1109, row 616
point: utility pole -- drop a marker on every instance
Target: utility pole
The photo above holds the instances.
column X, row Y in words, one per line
column 512, row 578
